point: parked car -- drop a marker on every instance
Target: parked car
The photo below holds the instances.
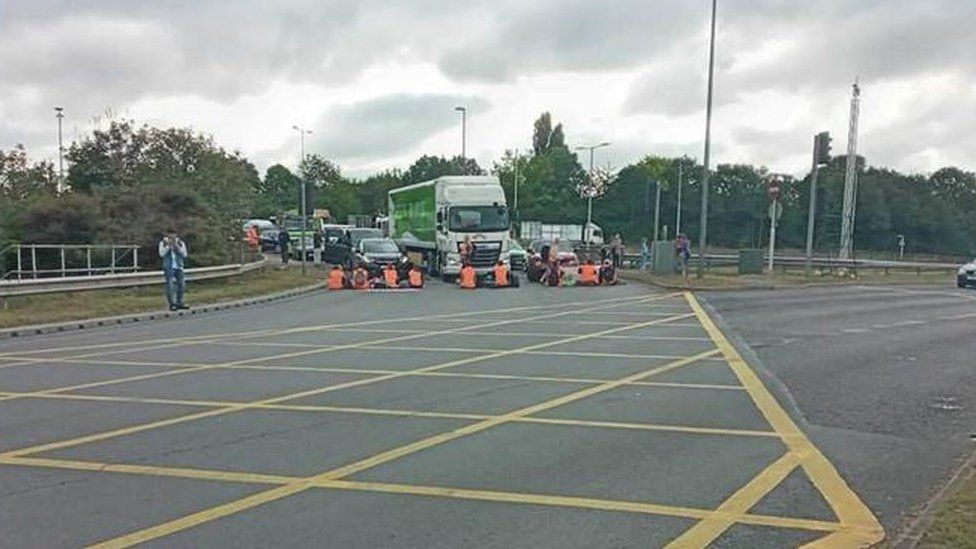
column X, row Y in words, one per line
column 518, row 258
column 348, row 245
column 376, row 253
column 333, row 251
column 966, row 275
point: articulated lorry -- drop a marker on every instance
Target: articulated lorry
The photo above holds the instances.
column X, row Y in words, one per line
column 432, row 219
column 591, row 234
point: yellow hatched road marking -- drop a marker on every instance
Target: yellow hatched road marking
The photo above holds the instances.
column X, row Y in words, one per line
column 420, row 490
column 860, row 528
column 409, row 413
column 273, row 494
column 210, row 413
column 189, row 340
column 373, row 371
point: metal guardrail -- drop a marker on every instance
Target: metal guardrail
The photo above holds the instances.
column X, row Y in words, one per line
column 725, row 260
column 13, row 288
column 120, row 259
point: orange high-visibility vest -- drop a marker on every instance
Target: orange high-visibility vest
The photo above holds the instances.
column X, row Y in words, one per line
column 416, row 278
column 468, row 278
column 390, row 275
column 252, row 237
column 588, row 274
column 336, row 279
column 360, row 279
column 501, row 275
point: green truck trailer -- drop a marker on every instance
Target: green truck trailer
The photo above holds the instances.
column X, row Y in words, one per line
column 431, row 220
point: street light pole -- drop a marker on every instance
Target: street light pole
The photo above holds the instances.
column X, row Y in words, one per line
column 464, row 130
column 517, row 228
column 60, row 116
column 677, row 223
column 592, row 187
column 703, row 230
column 302, row 132
column 657, row 208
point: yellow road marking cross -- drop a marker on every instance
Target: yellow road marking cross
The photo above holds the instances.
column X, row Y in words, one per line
column 855, row 526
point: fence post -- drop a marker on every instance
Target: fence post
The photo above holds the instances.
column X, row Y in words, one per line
column 63, row 273
column 34, row 261
column 112, row 266
column 88, row 258
column 20, row 265
column 135, row 259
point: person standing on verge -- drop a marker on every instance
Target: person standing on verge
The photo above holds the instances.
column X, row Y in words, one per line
column 616, row 249
column 645, row 255
column 172, row 250
column 284, row 242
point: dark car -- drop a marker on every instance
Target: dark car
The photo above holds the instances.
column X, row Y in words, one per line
column 376, row 253
column 345, row 250
column 333, row 250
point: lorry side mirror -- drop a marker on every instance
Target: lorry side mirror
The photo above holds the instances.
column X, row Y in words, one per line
column 440, row 219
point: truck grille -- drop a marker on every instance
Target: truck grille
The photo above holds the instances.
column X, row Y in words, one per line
column 486, row 254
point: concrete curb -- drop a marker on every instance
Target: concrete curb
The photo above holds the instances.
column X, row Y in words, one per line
column 40, row 329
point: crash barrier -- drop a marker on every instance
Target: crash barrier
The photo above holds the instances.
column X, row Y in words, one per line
column 13, row 288
column 63, row 260
column 823, row 265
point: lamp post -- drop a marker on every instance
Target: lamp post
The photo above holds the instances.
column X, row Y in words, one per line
column 591, row 189
column 516, row 184
column 302, row 132
column 464, row 130
column 703, row 230
column 59, row 114
column 677, row 221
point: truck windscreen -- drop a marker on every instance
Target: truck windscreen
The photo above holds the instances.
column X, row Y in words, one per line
column 468, row 219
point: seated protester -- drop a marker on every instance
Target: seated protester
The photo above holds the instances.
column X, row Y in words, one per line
column 468, row 278
column 415, row 277
column 536, row 269
column 553, row 275
column 502, row 275
column 337, row 278
column 608, row 274
column 589, row 274
column 360, row 278
column 390, row 279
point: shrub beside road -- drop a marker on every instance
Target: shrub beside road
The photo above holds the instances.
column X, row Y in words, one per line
column 42, row 309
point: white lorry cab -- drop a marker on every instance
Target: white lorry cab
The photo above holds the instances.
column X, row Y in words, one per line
column 432, row 219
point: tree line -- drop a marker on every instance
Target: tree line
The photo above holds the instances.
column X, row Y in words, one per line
column 127, row 184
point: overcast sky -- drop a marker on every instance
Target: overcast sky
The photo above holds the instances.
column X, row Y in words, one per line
column 377, row 81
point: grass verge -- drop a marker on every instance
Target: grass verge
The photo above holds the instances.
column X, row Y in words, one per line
column 954, row 521
column 46, row 308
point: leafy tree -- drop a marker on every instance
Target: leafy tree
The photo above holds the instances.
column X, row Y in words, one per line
column 432, row 167
column 277, row 191
column 545, row 137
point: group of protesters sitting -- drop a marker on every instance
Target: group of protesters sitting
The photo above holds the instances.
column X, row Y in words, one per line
column 389, row 277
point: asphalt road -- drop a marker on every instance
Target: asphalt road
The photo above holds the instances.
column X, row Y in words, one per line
column 607, row 417
column 883, row 378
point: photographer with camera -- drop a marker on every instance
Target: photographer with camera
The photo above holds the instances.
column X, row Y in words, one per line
column 172, row 250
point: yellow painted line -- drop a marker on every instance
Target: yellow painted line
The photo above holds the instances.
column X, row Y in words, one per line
column 860, row 527
column 255, row 500
column 568, row 501
column 331, row 326
column 374, row 371
column 404, row 413
column 210, row 413
column 709, row 529
column 417, row 490
column 148, row 470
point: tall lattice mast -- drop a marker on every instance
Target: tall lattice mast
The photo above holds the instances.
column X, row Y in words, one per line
column 850, row 180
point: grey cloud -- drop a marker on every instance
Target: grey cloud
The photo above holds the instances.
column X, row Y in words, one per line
column 386, row 126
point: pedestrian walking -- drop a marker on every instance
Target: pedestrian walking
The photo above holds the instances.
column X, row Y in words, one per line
column 172, row 251
column 682, row 248
column 645, row 255
column 284, row 243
